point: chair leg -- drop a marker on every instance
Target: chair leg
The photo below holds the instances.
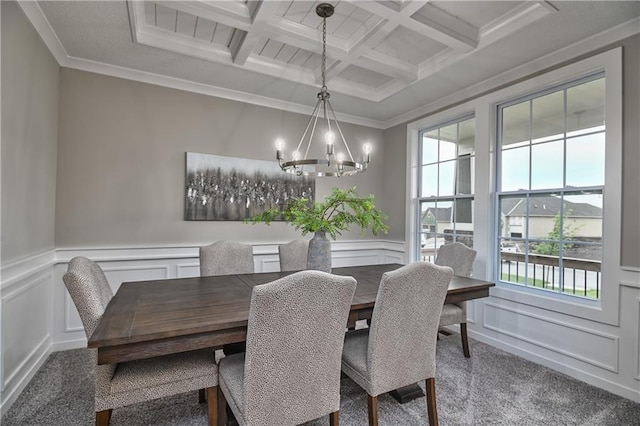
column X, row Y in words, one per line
column 334, row 418
column 465, row 340
column 431, row 402
column 103, row 417
column 222, row 408
column 201, row 396
column 372, row 406
column 212, row 405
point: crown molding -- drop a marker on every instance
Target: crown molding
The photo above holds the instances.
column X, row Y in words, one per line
column 597, row 41
column 34, row 13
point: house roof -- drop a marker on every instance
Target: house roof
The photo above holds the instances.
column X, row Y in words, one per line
column 548, row 206
column 441, row 214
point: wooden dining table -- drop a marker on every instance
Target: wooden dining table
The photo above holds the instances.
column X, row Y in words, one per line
column 159, row 317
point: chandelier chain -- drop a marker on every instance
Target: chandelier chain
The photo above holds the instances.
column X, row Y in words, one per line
column 323, row 65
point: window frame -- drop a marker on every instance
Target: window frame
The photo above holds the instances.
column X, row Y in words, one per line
column 531, row 192
column 441, row 198
column 485, row 110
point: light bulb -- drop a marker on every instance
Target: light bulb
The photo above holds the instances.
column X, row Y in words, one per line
column 340, row 157
column 296, row 155
column 367, row 153
column 279, row 147
column 329, row 137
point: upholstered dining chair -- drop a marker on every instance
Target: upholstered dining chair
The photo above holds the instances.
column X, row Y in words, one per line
column 226, row 258
column 118, row 385
column 399, row 348
column 293, row 255
column 460, row 258
column 290, row 373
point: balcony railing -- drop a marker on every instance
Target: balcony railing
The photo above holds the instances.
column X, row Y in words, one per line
column 581, row 277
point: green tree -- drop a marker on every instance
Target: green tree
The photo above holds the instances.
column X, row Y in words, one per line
column 552, row 248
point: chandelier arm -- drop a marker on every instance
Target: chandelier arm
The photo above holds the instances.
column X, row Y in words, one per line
column 344, row 141
column 313, row 114
column 327, row 117
column 313, row 131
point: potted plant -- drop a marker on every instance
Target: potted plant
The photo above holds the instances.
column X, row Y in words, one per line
column 339, row 210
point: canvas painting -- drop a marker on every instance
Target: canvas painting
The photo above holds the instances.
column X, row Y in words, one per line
column 231, row 188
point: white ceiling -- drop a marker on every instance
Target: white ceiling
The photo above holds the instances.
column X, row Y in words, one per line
column 387, row 60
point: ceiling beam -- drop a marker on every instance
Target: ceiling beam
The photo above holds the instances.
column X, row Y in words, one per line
column 243, row 42
column 303, row 37
column 231, row 13
column 376, row 34
column 439, row 26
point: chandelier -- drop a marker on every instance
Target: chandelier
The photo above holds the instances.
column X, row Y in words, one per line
column 323, row 121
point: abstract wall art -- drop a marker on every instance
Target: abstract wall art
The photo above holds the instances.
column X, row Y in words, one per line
column 231, row 188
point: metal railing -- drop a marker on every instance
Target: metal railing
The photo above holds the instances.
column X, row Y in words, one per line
column 580, row 277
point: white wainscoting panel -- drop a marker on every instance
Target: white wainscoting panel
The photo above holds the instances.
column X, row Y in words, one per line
column 637, row 345
column 28, row 305
column 188, row 270
column 471, row 311
column 32, row 287
column 26, row 324
column 559, row 336
column 149, row 263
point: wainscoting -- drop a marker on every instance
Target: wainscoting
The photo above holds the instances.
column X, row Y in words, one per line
column 38, row 317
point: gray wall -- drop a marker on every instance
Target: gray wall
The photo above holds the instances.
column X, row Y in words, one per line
column 30, row 81
column 121, row 161
column 395, row 194
column 395, row 150
column 630, row 253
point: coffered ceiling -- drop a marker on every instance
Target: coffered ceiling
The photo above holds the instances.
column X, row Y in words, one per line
column 387, row 60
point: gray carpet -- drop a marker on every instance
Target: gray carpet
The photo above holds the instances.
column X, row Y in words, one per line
column 491, row 388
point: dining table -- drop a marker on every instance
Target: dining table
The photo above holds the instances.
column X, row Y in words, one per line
column 158, row 317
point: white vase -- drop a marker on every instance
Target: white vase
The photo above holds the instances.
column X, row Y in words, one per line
column 319, row 254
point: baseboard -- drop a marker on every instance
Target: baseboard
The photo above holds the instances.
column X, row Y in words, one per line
column 15, row 391
column 583, row 376
column 68, row 345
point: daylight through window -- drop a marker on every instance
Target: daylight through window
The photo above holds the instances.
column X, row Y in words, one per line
column 550, row 188
column 446, row 187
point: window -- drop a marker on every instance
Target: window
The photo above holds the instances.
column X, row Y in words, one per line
column 445, row 185
column 551, row 154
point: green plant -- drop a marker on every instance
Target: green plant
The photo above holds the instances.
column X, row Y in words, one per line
column 340, row 209
column 552, row 248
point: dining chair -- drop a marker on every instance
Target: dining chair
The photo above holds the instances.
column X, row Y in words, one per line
column 118, row 385
column 226, row 258
column 290, row 373
column 460, row 258
column 293, row 255
column 399, row 348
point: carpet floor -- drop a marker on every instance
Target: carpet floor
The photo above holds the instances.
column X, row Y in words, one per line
column 491, row 388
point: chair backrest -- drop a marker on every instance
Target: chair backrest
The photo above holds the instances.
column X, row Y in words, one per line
column 89, row 290
column 404, row 325
column 458, row 257
column 293, row 255
column 295, row 337
column 226, row 258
